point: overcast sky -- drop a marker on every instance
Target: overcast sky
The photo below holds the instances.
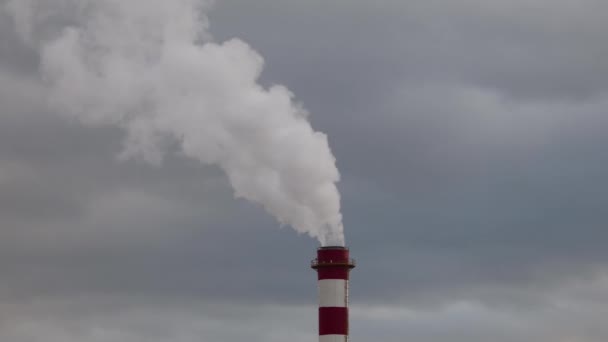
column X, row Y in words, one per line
column 471, row 140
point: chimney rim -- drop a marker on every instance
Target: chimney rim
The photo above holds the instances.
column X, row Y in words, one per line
column 333, row 247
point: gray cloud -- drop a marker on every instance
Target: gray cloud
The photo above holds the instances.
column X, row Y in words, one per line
column 470, row 136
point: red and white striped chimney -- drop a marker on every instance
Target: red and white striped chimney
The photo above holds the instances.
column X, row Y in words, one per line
column 333, row 266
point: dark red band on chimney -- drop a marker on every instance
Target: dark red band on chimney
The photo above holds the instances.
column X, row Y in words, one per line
column 333, row 321
column 339, row 254
column 334, row 272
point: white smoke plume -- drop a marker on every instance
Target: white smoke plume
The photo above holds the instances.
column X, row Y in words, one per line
column 151, row 67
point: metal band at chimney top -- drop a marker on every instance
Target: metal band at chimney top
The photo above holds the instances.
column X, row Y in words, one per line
column 333, row 266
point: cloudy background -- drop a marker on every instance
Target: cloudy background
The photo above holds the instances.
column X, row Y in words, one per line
column 471, row 138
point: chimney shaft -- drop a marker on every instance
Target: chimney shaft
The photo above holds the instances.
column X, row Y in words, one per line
column 333, row 265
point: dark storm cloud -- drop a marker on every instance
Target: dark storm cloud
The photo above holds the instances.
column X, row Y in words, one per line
column 470, row 137
column 522, row 48
column 13, row 53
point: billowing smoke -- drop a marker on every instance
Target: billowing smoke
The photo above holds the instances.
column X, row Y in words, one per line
column 151, row 67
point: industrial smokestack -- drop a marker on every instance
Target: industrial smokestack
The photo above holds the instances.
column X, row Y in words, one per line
column 333, row 266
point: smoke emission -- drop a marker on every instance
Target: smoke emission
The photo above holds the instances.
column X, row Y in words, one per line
column 152, row 68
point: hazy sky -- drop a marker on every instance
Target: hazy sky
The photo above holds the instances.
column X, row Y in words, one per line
column 471, row 140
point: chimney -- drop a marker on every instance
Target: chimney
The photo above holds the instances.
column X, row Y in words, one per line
column 333, row 266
